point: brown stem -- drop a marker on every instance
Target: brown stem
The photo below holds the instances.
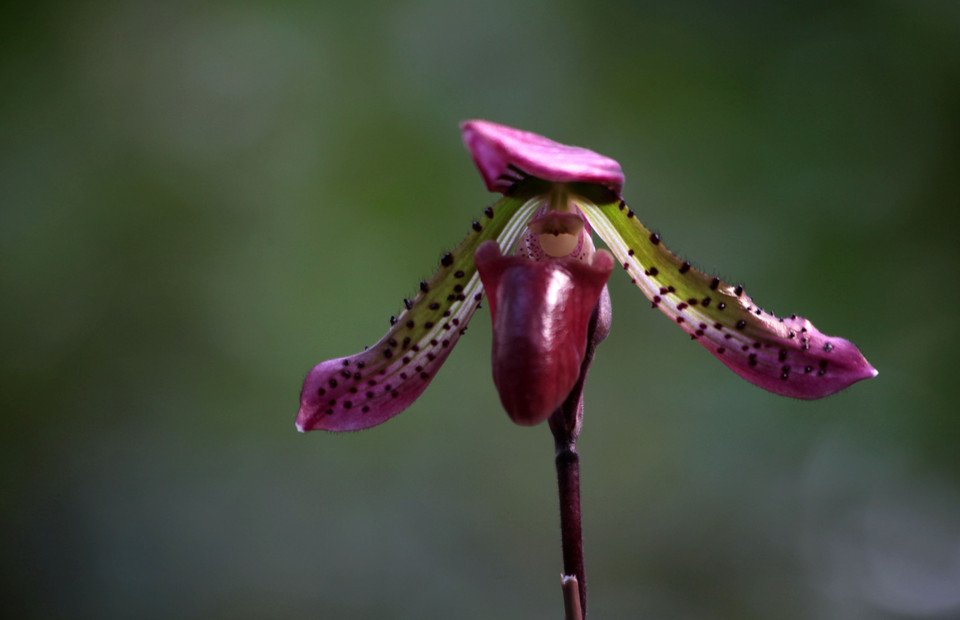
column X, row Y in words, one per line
column 565, row 425
column 571, row 532
column 571, row 598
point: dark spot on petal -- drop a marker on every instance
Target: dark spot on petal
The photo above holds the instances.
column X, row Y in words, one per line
column 333, row 383
column 630, row 213
column 738, row 291
column 783, row 355
column 741, row 324
column 721, row 350
column 447, row 259
column 654, row 271
column 721, row 306
column 670, row 289
column 424, row 375
column 808, row 369
column 365, row 409
column 458, row 288
column 685, row 267
column 428, row 324
column 753, row 359
column 654, row 238
column 345, row 373
column 393, row 394
column 321, row 392
column 407, row 303
column 622, row 204
column 434, row 306
column 827, row 347
column 410, row 324
column 792, row 335
column 693, row 302
column 785, row 372
column 714, row 284
column 663, row 290
column 388, row 353
column 347, row 405
column 329, row 411
column 626, row 265
column 369, row 394
column 656, row 300
column 488, row 212
column 477, row 227
column 821, row 372
column 717, row 326
column 393, row 320
column 478, row 297
column 458, row 274
column 680, row 319
column 681, row 306
column 705, row 301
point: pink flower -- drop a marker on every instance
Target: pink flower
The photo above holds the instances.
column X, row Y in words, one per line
column 533, row 255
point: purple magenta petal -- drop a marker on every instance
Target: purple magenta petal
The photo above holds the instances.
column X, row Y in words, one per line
column 541, row 312
column 364, row 390
column 786, row 356
column 503, row 154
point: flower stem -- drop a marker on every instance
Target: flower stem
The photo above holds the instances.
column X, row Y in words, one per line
column 565, row 424
column 571, row 533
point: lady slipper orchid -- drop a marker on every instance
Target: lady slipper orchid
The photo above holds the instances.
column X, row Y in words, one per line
column 533, row 255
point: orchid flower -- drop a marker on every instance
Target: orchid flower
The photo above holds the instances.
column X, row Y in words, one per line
column 532, row 254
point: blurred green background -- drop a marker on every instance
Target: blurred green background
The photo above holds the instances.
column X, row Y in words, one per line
column 202, row 200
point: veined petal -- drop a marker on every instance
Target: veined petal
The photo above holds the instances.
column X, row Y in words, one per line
column 366, row 389
column 541, row 313
column 504, row 154
column 786, row 356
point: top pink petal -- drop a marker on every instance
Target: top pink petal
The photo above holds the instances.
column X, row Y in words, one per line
column 498, row 149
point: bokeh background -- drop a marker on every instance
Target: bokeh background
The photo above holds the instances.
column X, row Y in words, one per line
column 202, row 200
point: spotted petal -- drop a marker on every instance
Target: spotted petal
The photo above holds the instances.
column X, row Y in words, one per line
column 366, row 389
column 786, row 356
column 504, row 155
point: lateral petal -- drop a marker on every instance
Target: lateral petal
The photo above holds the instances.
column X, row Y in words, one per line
column 366, row 389
column 786, row 356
